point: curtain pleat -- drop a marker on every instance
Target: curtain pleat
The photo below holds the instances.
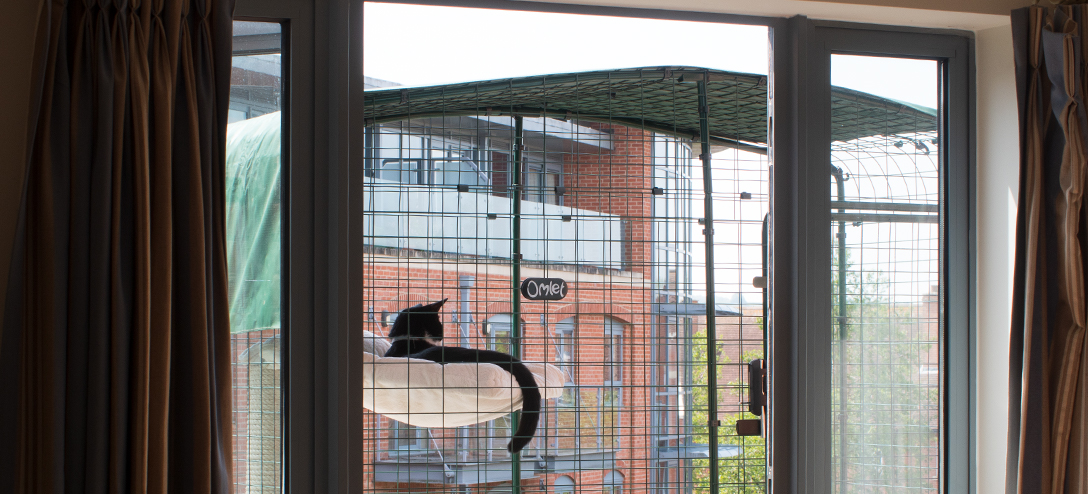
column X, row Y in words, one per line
column 1048, row 370
column 114, row 364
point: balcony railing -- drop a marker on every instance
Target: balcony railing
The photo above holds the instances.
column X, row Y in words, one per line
column 448, row 220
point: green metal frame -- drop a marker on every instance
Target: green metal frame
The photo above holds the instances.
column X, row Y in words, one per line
column 650, row 98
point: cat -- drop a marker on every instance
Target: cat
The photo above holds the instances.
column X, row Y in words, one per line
column 418, row 328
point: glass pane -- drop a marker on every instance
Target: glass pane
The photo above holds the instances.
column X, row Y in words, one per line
column 532, row 184
column 885, row 193
column 631, row 332
column 402, row 171
column 253, row 168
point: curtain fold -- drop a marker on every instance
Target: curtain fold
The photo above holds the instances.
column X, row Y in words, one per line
column 114, row 349
column 1048, row 445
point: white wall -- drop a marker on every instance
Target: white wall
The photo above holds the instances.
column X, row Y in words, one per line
column 998, row 164
column 955, row 14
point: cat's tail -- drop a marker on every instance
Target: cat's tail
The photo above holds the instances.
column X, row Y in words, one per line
column 530, row 411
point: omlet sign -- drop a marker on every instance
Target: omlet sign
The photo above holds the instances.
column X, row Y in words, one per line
column 544, row 288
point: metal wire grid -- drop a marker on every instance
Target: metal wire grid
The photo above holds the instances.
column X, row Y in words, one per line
column 613, row 209
column 257, row 398
column 646, row 98
column 886, row 350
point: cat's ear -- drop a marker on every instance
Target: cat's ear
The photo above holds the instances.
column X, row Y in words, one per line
column 438, row 305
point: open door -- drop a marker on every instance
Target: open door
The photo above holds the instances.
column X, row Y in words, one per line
column 869, row 347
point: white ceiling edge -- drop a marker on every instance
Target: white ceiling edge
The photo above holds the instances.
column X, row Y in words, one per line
column 897, row 16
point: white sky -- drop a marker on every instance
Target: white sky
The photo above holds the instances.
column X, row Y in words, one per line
column 424, row 45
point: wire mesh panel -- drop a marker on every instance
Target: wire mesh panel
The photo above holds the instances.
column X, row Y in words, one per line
column 479, row 194
column 740, row 199
column 886, row 283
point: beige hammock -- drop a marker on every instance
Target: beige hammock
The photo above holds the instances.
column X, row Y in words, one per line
column 427, row 394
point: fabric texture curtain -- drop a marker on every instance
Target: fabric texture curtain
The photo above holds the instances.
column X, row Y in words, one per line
column 1048, row 418
column 114, row 350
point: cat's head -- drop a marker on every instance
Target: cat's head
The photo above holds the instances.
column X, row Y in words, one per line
column 420, row 321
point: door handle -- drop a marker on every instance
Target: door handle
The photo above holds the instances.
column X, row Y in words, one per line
column 757, row 387
column 757, row 399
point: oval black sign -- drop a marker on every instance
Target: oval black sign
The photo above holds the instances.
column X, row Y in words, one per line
column 544, row 288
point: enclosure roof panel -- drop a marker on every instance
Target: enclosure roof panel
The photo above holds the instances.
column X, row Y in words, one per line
column 661, row 99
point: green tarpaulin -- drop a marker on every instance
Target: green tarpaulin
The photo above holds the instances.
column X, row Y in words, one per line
column 253, row 222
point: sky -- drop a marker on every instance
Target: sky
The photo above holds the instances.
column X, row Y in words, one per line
column 421, row 45
column 425, row 45
column 417, row 45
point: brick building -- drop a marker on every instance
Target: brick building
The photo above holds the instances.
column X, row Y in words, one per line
column 607, row 195
column 588, row 217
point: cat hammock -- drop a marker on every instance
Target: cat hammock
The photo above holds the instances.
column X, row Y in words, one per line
column 428, row 394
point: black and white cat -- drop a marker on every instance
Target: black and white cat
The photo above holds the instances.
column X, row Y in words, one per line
column 418, row 328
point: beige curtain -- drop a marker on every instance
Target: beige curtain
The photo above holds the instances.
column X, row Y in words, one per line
column 1048, row 435
column 114, row 352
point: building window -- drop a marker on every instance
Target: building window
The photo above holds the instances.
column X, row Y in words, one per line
column 542, row 180
column 563, row 485
column 564, row 359
column 395, row 155
column 498, row 332
column 613, row 363
column 500, row 339
column 404, row 438
column 613, row 483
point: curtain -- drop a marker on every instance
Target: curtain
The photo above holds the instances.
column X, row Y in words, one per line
column 1048, row 420
column 114, row 351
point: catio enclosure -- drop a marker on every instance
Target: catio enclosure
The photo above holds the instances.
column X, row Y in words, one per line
column 647, row 192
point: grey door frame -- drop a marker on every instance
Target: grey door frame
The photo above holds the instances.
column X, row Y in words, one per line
column 322, row 405
column 800, row 320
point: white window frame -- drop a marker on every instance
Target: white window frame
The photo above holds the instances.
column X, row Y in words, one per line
column 566, row 360
column 613, row 336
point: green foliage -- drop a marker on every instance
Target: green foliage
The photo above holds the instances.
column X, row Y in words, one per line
column 889, row 412
column 891, row 408
column 745, row 472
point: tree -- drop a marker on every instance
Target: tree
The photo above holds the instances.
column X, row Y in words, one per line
column 885, row 408
column 746, row 471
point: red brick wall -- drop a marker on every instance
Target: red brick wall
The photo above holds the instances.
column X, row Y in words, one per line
column 618, row 182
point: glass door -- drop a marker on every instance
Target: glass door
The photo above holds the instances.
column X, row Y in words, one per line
column 870, row 305
column 886, row 280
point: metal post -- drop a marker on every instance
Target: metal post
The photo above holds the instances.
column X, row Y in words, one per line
column 515, row 282
column 841, row 237
column 711, row 321
column 465, row 283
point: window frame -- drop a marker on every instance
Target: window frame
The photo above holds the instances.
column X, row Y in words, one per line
column 612, row 332
column 322, row 96
column 323, row 68
column 564, row 484
column 612, row 483
column 799, row 326
column 418, row 442
column 536, row 164
column 498, row 430
column 567, row 327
